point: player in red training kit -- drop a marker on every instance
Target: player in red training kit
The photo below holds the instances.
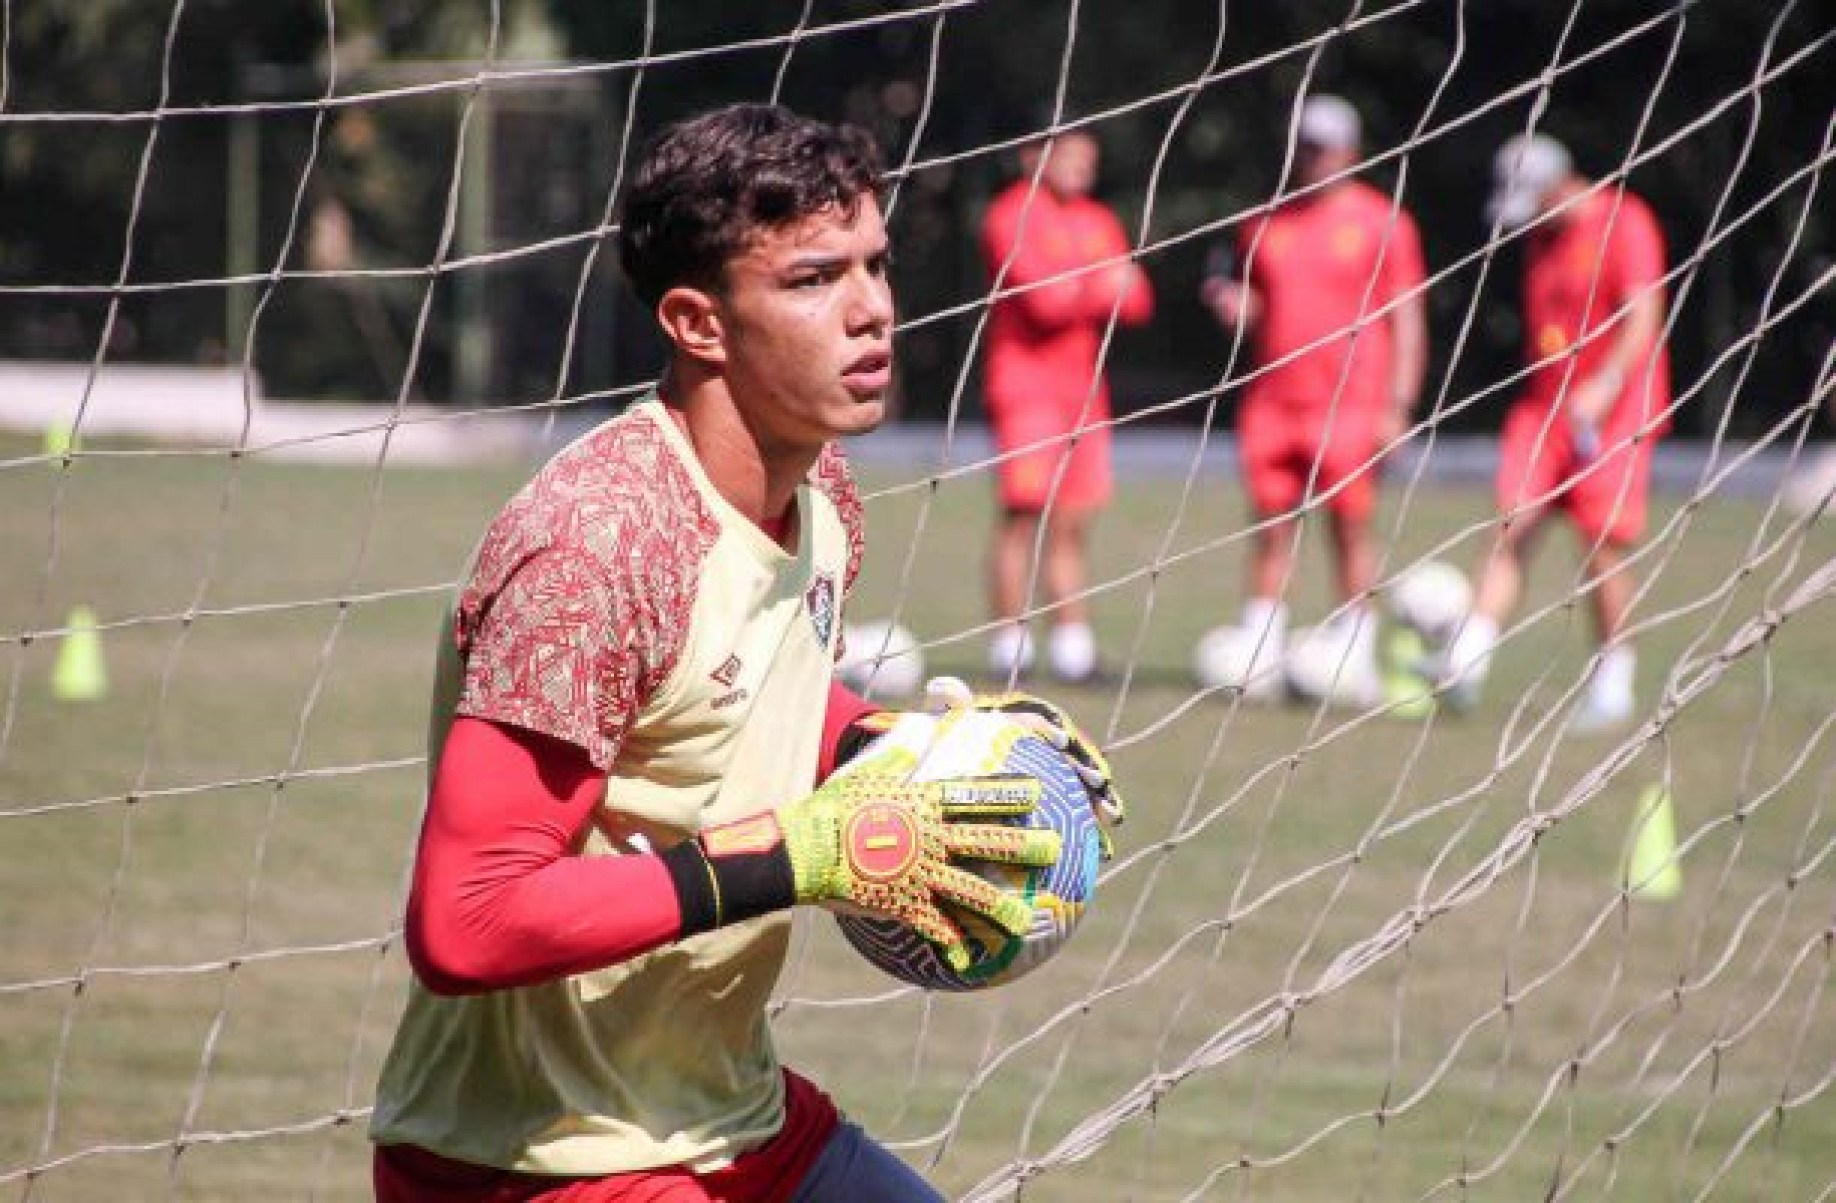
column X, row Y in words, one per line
column 1579, row 439
column 1060, row 264
column 1330, row 285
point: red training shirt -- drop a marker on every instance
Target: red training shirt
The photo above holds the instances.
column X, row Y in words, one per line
column 1044, row 338
column 1580, row 273
column 1324, row 266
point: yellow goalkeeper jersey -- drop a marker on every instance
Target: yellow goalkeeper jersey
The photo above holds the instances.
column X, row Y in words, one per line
column 618, row 602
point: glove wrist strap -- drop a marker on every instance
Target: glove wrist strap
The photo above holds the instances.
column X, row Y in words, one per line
column 731, row 873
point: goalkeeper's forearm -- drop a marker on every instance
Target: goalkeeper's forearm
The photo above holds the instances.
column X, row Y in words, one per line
column 501, row 899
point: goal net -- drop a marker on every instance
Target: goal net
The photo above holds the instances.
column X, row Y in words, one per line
column 298, row 300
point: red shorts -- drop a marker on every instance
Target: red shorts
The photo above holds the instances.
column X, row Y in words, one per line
column 1034, row 436
column 1604, row 498
column 1291, row 453
column 770, row 1173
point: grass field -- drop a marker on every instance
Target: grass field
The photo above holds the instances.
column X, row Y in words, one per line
column 1342, row 956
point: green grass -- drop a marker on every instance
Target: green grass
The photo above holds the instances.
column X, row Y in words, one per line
column 203, row 869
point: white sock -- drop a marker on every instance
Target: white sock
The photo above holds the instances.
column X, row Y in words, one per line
column 1611, row 683
column 1072, row 648
column 1010, row 648
column 1470, row 655
column 1265, row 618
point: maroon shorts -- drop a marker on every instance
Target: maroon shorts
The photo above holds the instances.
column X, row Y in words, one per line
column 1604, row 497
column 770, row 1173
column 1292, row 453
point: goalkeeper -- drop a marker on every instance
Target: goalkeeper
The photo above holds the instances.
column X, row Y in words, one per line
column 635, row 698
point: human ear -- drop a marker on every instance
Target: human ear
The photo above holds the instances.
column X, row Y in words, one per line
column 691, row 320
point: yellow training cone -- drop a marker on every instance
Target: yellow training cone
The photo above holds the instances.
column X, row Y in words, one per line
column 79, row 675
column 1652, row 870
column 1406, row 691
column 60, row 439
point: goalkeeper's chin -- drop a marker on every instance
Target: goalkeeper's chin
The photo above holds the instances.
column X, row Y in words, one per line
column 864, row 413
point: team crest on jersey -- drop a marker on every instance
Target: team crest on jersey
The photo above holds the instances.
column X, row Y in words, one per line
column 819, row 599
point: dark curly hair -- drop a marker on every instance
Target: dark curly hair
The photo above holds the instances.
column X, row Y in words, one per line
column 705, row 186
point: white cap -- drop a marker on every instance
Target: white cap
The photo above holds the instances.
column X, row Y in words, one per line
column 1329, row 122
column 1524, row 171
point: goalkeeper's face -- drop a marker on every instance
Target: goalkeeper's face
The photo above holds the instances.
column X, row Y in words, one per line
column 806, row 315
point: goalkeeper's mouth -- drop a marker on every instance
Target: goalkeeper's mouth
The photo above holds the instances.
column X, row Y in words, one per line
column 870, row 376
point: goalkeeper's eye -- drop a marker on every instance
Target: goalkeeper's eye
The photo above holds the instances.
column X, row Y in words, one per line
column 817, row 278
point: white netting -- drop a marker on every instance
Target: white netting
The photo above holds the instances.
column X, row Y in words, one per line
column 1367, row 950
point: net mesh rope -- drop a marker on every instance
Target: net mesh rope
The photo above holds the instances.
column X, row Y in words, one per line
column 1339, row 955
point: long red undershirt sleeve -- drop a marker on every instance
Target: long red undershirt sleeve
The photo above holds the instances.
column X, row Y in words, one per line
column 845, row 709
column 500, row 897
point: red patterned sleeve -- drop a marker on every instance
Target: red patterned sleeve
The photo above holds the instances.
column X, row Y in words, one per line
column 834, row 479
column 555, row 651
column 498, row 898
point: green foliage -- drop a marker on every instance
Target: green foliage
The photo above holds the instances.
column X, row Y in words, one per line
column 1191, row 99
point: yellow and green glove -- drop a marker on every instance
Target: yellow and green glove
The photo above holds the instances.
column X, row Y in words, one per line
column 1046, row 720
column 870, row 840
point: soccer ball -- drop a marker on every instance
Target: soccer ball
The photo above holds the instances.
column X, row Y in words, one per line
column 881, row 659
column 1325, row 664
column 1432, row 598
column 980, row 744
column 1231, row 657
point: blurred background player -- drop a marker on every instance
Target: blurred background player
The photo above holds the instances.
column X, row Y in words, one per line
column 1580, row 437
column 1328, row 285
column 1060, row 261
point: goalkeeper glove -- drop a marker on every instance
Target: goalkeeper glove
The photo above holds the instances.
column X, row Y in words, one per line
column 870, row 839
column 1046, row 720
